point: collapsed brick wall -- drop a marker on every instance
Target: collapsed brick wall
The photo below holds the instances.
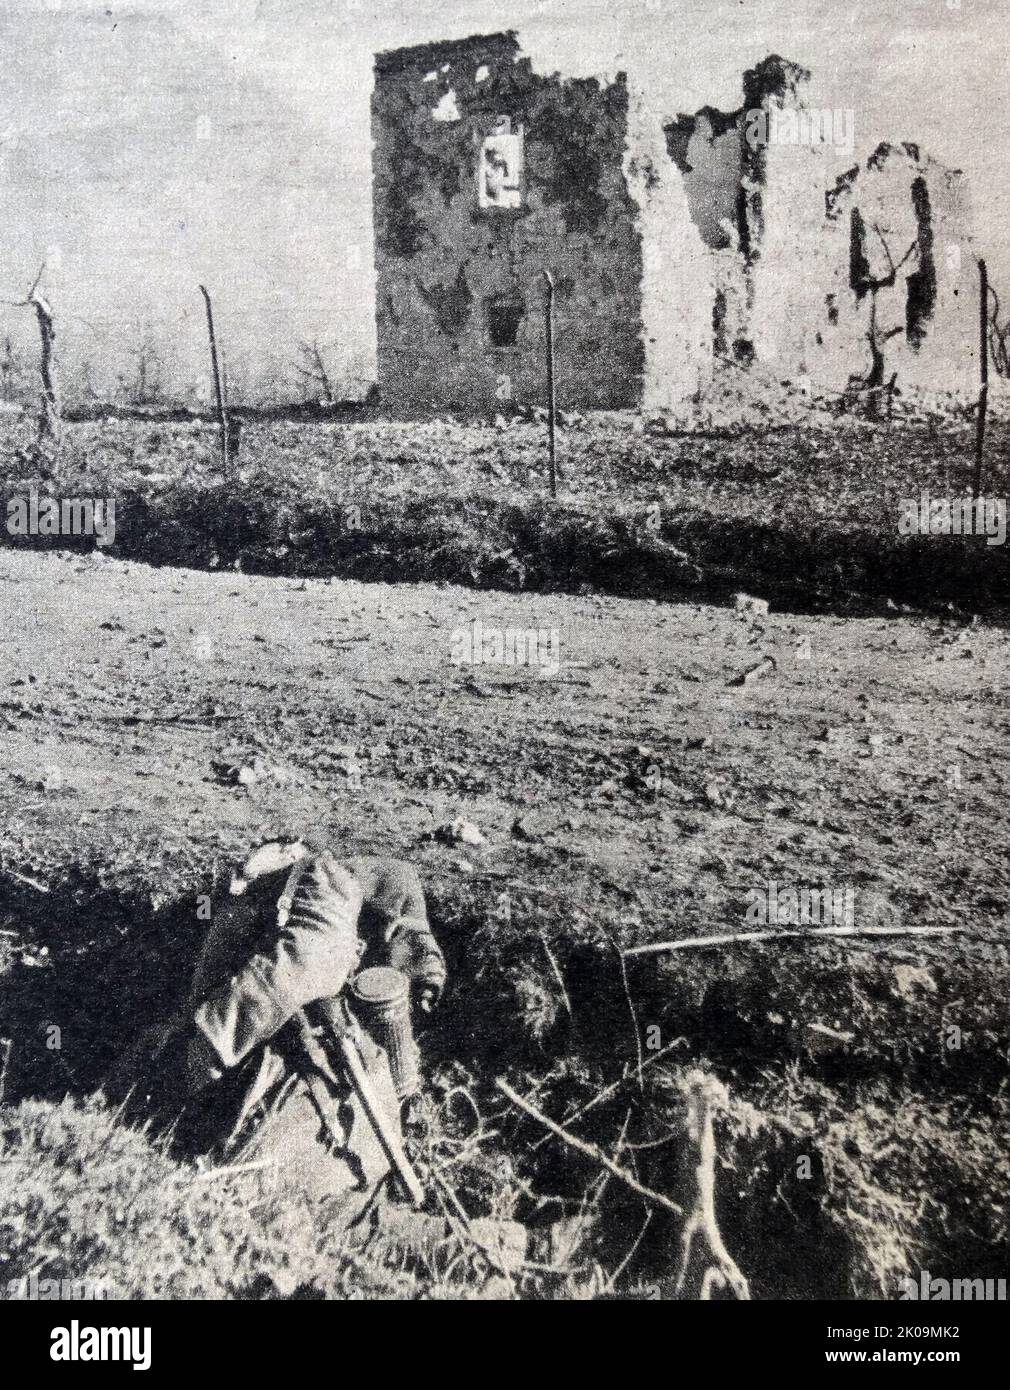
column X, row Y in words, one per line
column 459, row 295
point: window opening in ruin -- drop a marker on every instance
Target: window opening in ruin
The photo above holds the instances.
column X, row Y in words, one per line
column 719, row 323
column 504, row 316
column 859, row 265
column 500, row 167
column 920, row 286
column 446, row 110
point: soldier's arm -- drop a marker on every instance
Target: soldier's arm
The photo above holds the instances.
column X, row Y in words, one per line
column 414, row 950
column 395, row 906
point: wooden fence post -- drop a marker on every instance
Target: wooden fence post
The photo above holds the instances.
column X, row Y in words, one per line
column 983, row 390
column 551, row 394
column 222, row 415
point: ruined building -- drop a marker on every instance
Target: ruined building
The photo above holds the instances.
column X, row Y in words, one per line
column 712, row 242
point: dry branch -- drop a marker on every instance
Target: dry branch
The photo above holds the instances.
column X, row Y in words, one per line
column 702, row 1248
column 694, row 943
column 655, row 1199
column 314, row 370
column 876, row 336
column 231, row 1169
column 25, row 879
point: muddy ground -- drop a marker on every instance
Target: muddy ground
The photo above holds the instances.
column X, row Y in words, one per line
column 156, row 722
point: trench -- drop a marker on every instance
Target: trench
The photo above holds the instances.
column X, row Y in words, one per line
column 98, row 967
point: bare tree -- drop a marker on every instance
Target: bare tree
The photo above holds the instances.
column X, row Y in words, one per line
column 49, row 422
column 875, row 335
column 150, row 369
column 999, row 336
column 313, row 369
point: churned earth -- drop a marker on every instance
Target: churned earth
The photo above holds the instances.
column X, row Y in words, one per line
column 680, row 759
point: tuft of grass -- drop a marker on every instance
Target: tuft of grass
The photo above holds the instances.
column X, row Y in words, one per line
column 83, row 1197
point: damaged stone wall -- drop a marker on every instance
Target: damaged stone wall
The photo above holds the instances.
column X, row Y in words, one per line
column 757, row 208
column 797, row 263
column 486, row 174
column 788, row 256
column 719, row 242
column 679, row 273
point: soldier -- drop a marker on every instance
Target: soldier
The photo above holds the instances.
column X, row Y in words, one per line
column 228, row 1072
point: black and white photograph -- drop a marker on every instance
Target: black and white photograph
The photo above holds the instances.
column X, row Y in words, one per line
column 504, row 695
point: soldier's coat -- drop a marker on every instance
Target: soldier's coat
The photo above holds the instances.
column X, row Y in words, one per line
column 225, row 1066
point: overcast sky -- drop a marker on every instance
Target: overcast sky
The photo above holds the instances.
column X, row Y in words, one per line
column 934, row 71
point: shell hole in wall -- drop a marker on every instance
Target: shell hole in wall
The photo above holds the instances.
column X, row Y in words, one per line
column 446, row 110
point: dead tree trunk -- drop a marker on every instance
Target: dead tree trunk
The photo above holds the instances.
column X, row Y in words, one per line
column 50, row 425
column 876, row 336
column 50, row 422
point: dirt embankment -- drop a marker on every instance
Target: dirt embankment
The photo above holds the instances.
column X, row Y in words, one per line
column 807, row 516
